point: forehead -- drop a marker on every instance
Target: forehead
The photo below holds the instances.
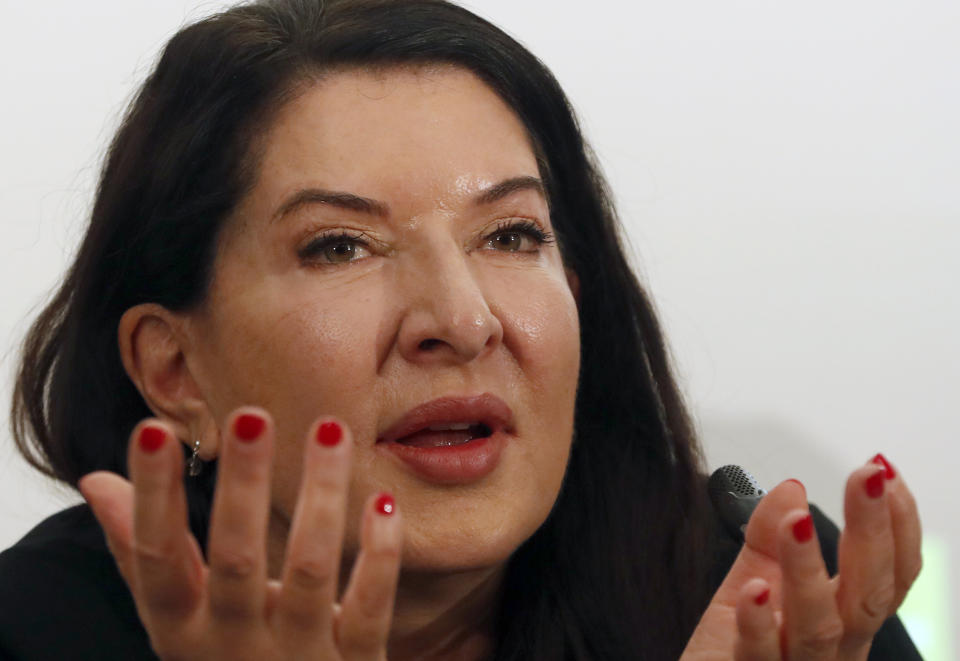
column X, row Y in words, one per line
column 397, row 133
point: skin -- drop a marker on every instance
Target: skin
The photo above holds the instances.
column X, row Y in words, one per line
column 430, row 306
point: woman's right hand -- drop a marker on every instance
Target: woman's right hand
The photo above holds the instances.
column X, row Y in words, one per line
column 228, row 608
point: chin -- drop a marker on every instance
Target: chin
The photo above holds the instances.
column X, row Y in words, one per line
column 458, row 551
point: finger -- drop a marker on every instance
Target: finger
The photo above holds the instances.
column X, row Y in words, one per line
column 167, row 562
column 759, row 555
column 763, row 529
column 111, row 499
column 865, row 583
column 907, row 534
column 367, row 607
column 812, row 624
column 758, row 558
column 236, row 548
column 312, row 564
column 759, row 635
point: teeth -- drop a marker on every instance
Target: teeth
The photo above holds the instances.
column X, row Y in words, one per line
column 460, row 427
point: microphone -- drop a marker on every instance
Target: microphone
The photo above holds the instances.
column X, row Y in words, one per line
column 735, row 493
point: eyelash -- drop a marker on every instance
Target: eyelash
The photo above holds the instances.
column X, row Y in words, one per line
column 316, row 247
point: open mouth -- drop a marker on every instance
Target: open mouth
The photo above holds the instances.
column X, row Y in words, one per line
column 438, row 436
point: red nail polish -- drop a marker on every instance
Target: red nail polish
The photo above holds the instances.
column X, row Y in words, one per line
column 248, row 426
column 887, row 468
column 803, row 529
column 762, row 598
column 385, row 504
column 329, row 434
column 151, row 439
column 874, row 484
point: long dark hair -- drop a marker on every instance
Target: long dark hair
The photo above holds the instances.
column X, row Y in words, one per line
column 618, row 570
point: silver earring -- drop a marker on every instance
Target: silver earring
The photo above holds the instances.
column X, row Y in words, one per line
column 194, row 464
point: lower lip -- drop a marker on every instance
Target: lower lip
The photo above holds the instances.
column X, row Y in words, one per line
column 452, row 464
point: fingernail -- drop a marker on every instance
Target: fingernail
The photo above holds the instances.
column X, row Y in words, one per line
column 803, row 529
column 151, row 439
column 874, row 484
column 248, row 426
column 887, row 468
column 800, row 483
column 385, row 504
column 329, row 434
column 762, row 598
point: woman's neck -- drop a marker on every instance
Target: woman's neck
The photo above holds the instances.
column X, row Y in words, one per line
column 445, row 617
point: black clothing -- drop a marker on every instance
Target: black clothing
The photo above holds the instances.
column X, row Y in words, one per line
column 64, row 599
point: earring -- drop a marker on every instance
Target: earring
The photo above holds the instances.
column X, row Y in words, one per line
column 194, row 464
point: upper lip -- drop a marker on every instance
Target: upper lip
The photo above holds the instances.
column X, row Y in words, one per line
column 486, row 409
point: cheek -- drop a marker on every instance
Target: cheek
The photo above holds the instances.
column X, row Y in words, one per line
column 302, row 360
column 542, row 328
column 297, row 357
column 542, row 333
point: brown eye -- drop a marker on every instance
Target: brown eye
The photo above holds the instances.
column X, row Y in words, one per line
column 511, row 237
column 334, row 249
column 510, row 241
column 340, row 252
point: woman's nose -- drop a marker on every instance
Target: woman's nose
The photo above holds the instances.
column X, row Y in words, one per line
column 447, row 317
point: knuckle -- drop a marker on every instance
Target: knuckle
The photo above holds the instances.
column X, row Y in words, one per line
column 233, row 564
column 385, row 553
column 822, row 640
column 911, row 572
column 149, row 555
column 373, row 603
column 311, row 574
column 330, row 511
column 916, row 566
column 878, row 602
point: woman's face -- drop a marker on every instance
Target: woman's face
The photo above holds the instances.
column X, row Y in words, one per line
column 422, row 299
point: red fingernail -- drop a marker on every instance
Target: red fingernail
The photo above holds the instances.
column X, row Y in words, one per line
column 385, row 504
column 151, row 438
column 874, row 484
column 887, row 468
column 329, row 434
column 803, row 529
column 248, row 426
column 800, row 483
column 762, row 598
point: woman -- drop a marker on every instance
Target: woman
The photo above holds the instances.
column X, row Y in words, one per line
column 361, row 270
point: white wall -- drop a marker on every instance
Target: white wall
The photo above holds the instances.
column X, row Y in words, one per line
column 788, row 174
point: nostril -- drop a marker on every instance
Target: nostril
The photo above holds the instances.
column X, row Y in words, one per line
column 427, row 345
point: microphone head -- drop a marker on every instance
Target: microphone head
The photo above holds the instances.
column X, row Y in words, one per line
column 734, row 479
column 735, row 494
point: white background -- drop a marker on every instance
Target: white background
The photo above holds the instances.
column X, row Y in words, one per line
column 788, row 174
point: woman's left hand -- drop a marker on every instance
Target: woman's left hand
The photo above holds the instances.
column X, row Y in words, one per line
column 778, row 603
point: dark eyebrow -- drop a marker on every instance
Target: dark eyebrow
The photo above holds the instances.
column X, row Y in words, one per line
column 347, row 201
column 352, row 202
column 508, row 187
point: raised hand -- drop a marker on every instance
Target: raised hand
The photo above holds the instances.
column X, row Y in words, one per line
column 778, row 603
column 228, row 608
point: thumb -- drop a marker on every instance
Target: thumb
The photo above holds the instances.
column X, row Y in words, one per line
column 111, row 499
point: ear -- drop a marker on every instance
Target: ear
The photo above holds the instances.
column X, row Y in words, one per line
column 152, row 344
column 573, row 280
